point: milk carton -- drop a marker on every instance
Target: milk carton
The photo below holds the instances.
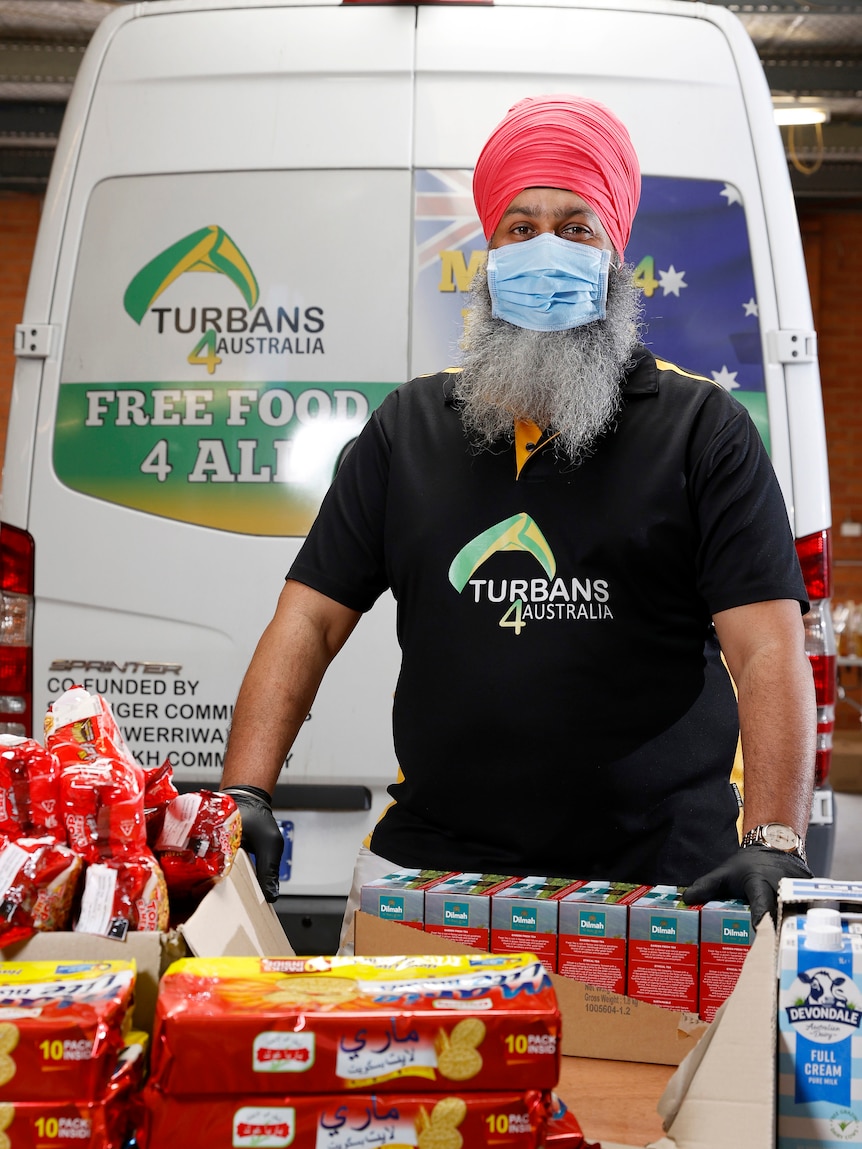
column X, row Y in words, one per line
column 459, row 907
column 726, row 935
column 400, row 896
column 819, row 1012
column 593, row 933
column 524, row 917
column 663, row 949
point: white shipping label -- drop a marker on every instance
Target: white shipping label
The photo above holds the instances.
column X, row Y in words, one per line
column 11, row 861
column 98, row 900
column 179, row 819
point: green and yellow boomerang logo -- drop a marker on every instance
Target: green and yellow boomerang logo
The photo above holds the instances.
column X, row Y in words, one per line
column 209, row 249
column 519, row 533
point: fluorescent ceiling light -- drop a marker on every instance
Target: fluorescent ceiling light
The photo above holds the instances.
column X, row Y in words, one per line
column 800, row 114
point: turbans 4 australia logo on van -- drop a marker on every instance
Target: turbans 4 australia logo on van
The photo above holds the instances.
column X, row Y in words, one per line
column 548, row 597
column 243, row 329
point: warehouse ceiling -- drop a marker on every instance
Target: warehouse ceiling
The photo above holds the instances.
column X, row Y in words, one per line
column 811, row 54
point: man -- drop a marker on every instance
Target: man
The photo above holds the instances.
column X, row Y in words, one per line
column 575, row 533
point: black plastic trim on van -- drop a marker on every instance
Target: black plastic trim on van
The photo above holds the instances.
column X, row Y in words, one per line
column 302, row 796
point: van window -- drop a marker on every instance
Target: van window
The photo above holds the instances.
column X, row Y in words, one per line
column 224, row 340
column 692, row 259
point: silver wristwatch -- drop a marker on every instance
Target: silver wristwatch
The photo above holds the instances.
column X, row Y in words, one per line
column 777, row 837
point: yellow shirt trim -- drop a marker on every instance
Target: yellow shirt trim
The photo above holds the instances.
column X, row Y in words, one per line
column 525, row 432
column 666, row 365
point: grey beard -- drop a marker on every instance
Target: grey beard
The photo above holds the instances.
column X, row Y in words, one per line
column 564, row 381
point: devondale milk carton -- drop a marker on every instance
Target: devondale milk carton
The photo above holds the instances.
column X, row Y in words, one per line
column 819, row 1050
column 459, row 907
column 663, row 949
column 593, row 933
column 726, row 935
column 400, row 896
column 524, row 917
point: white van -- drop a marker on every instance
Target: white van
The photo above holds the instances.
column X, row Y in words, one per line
column 259, row 221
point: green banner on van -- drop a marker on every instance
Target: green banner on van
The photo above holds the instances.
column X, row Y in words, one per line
column 252, row 458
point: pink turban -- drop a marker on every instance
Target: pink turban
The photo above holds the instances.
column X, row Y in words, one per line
column 560, row 141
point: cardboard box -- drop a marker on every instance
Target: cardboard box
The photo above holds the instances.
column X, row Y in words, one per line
column 596, row 1022
column 233, row 919
column 724, row 1092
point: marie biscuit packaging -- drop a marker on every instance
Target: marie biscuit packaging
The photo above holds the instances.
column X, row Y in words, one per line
column 592, row 945
column 63, row 1027
column 64, row 1124
column 318, row 1025
column 664, row 938
column 525, row 916
column 105, row 1122
column 400, row 896
column 459, row 907
column 448, row 1120
column 726, row 934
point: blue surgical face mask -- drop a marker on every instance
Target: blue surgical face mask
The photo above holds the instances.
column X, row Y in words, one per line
column 548, row 283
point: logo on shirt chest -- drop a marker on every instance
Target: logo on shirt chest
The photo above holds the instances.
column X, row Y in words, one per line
column 546, row 598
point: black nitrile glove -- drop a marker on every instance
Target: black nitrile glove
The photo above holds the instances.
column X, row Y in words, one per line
column 260, row 835
column 751, row 874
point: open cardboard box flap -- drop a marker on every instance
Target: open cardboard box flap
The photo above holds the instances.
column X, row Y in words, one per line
column 596, row 1023
column 724, row 1092
column 233, row 919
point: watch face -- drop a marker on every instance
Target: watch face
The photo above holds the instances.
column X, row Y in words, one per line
column 780, row 837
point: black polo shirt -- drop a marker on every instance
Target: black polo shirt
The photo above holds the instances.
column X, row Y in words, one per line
column 562, row 707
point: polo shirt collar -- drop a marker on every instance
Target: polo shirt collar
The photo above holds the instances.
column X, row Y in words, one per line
column 639, row 379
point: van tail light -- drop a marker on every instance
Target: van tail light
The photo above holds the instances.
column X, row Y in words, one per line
column 815, row 557
column 17, row 552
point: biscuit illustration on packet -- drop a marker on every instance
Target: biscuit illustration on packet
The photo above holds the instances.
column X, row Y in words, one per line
column 457, row 1055
column 7, row 1112
column 8, row 1040
column 440, row 1129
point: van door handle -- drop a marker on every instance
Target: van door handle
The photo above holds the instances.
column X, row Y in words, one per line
column 302, row 795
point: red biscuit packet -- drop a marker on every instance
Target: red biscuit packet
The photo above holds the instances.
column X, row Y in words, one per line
column 452, row 1120
column 198, row 842
column 64, row 1030
column 105, row 1121
column 123, row 894
column 38, row 882
column 29, row 790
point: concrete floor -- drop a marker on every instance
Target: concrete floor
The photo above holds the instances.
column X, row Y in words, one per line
column 847, row 859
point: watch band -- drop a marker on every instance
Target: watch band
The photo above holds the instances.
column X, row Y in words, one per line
column 776, row 836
